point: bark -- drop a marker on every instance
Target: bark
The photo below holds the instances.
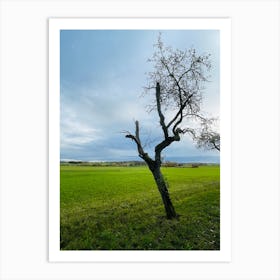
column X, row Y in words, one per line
column 161, row 116
column 162, row 187
column 155, row 164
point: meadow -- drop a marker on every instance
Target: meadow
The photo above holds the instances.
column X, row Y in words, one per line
column 119, row 208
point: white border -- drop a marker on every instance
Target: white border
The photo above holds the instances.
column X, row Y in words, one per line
column 223, row 255
column 24, row 117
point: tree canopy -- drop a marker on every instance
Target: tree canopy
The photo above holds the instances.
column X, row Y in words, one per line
column 181, row 76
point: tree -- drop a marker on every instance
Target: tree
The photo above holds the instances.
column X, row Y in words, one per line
column 177, row 81
column 207, row 137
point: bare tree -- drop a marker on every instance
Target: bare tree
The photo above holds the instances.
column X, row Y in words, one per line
column 207, row 137
column 177, row 80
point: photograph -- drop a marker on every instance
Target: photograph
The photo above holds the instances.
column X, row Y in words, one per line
column 140, row 139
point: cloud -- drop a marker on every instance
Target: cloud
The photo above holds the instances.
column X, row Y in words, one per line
column 100, row 96
column 73, row 132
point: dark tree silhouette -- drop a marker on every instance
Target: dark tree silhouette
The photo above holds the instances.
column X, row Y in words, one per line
column 177, row 81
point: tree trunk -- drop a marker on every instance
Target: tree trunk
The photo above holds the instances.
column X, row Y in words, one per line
column 162, row 187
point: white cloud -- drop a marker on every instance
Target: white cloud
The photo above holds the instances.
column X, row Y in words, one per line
column 75, row 133
column 122, row 152
column 100, row 98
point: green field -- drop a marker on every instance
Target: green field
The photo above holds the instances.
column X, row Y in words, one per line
column 119, row 208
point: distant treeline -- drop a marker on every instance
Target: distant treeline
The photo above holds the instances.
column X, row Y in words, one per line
column 132, row 163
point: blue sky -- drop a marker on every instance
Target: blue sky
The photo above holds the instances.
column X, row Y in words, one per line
column 102, row 75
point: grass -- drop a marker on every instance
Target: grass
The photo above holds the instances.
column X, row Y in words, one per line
column 119, row 208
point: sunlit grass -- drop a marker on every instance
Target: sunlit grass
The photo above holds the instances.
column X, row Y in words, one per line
column 119, row 208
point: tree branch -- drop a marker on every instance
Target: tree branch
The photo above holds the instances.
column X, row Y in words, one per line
column 141, row 152
column 217, row 147
column 162, row 145
column 161, row 116
column 187, row 71
column 180, row 110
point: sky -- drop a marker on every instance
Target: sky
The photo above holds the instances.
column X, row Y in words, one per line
column 102, row 75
